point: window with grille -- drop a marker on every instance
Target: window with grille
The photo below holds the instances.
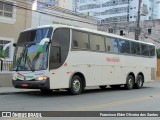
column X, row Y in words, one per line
column 6, row 9
column 2, row 43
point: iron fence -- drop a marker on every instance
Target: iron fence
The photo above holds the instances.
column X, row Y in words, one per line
column 6, row 66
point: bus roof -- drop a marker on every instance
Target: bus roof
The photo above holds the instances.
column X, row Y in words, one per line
column 86, row 30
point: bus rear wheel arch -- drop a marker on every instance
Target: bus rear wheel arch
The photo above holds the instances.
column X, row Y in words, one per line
column 77, row 84
column 130, row 81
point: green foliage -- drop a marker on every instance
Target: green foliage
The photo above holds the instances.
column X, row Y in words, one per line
column 158, row 53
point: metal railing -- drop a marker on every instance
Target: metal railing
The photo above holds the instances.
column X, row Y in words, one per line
column 6, row 66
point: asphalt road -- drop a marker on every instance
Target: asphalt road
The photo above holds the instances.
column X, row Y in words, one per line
column 95, row 99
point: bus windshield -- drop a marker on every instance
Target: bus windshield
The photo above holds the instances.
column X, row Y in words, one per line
column 27, row 57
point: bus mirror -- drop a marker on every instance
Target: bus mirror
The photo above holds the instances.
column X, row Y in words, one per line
column 41, row 45
column 40, row 48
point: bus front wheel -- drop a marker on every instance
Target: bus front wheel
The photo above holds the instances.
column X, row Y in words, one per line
column 76, row 85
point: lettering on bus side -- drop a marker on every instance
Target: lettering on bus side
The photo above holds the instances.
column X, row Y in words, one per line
column 109, row 59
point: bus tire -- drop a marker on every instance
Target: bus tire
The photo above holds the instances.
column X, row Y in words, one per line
column 139, row 82
column 76, row 85
column 129, row 82
column 115, row 86
column 103, row 87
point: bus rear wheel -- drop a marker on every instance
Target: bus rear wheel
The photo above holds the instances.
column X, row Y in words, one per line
column 129, row 82
column 76, row 85
column 139, row 82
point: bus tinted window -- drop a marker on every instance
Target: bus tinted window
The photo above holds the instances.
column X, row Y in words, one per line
column 80, row 40
column 60, row 47
column 135, row 48
column 124, row 46
column 144, row 50
column 111, row 45
column 97, row 42
column 34, row 35
column 152, row 50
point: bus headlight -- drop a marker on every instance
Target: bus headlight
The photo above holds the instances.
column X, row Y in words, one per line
column 14, row 78
column 42, row 78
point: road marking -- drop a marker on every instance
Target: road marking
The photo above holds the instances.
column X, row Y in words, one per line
column 115, row 103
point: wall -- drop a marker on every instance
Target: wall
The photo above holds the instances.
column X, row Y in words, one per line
column 9, row 30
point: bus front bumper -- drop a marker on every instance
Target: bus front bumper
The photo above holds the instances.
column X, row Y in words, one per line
column 33, row 84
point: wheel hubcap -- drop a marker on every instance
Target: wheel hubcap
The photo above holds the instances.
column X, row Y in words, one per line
column 140, row 82
column 76, row 85
column 130, row 83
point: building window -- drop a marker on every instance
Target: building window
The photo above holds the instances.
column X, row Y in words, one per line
column 110, row 30
column 149, row 31
column 121, row 33
column 2, row 43
column 6, row 9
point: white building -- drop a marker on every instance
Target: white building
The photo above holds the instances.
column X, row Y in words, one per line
column 157, row 9
column 115, row 10
column 52, row 14
column 66, row 4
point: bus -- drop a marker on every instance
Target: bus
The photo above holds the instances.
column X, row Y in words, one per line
column 52, row 57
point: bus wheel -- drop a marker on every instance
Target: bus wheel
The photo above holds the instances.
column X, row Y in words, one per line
column 129, row 83
column 115, row 86
column 103, row 87
column 76, row 85
column 139, row 82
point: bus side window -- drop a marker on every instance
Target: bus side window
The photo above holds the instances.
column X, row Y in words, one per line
column 124, row 46
column 115, row 45
column 80, row 39
column 144, row 50
column 152, row 50
column 135, row 48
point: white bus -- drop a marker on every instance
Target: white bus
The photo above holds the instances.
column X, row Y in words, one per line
column 66, row 57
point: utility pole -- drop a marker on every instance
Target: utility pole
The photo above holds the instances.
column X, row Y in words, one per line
column 137, row 30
